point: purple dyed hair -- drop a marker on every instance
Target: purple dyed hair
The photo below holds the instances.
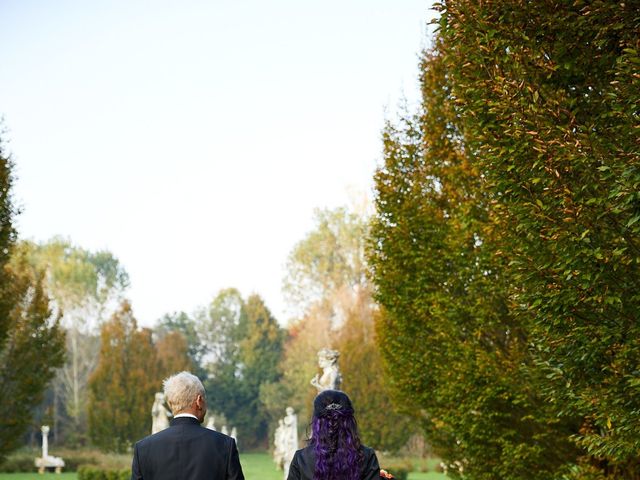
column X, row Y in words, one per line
column 334, row 438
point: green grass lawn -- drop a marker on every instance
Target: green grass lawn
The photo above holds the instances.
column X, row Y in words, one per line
column 35, row 476
column 256, row 466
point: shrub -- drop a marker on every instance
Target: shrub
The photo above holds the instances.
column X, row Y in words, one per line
column 400, row 469
column 18, row 462
column 90, row 472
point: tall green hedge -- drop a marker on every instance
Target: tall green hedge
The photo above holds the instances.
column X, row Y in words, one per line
column 506, row 248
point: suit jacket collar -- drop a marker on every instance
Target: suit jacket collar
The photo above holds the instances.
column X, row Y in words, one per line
column 184, row 421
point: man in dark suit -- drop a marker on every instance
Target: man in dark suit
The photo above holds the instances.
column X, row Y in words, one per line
column 186, row 450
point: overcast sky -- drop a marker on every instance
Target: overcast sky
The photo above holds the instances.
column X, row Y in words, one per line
column 194, row 139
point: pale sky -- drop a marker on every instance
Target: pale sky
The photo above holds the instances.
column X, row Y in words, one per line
column 194, row 139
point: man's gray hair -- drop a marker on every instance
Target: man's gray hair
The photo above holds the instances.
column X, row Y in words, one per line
column 181, row 390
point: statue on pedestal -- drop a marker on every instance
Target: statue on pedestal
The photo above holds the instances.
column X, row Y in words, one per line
column 278, row 445
column 160, row 414
column 211, row 424
column 48, row 461
column 290, row 438
column 330, row 378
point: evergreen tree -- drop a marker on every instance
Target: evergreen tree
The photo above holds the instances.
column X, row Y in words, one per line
column 31, row 341
column 122, row 388
column 222, row 327
column 245, row 346
column 260, row 354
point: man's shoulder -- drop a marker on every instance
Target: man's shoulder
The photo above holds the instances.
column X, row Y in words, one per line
column 151, row 439
column 167, row 434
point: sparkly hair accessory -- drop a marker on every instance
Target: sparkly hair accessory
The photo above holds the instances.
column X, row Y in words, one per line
column 333, row 406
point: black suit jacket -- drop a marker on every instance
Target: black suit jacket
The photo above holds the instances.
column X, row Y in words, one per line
column 186, row 451
column 304, row 462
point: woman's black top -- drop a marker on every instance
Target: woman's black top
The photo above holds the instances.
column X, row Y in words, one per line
column 304, row 463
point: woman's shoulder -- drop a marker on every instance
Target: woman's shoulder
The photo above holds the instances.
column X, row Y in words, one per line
column 368, row 450
column 304, row 454
column 369, row 457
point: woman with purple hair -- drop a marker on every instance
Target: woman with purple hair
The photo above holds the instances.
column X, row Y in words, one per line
column 334, row 451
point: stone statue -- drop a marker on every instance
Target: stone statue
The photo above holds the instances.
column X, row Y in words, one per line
column 160, row 414
column 47, row 461
column 290, row 438
column 330, row 378
column 278, row 445
column 211, row 424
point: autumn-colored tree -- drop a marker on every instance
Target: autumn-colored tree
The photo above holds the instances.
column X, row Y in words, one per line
column 381, row 423
column 327, row 282
column 31, row 340
column 172, row 354
column 187, row 326
column 122, row 387
column 299, row 364
column 548, row 96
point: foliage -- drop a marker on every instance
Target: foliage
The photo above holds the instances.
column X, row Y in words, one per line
column 122, row 387
column 329, row 258
column 260, row 354
column 172, row 354
column 187, row 326
column 18, row 462
column 31, row 340
column 95, row 473
column 327, row 278
column 245, row 345
column 77, row 277
column 23, row 460
column 298, row 365
column 84, row 287
column 505, row 248
column 379, row 422
column 222, row 327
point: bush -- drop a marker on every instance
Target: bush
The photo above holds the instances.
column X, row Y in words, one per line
column 23, row 460
column 400, row 469
column 90, row 472
column 73, row 459
column 18, row 462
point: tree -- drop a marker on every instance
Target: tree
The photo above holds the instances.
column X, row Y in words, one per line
column 222, row 327
column 173, row 354
column 327, row 281
column 182, row 323
column 505, row 244
column 380, row 422
column 261, row 353
column 244, row 343
column 122, row 387
column 85, row 286
column 299, row 363
column 31, row 340
column 329, row 259
column 565, row 183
